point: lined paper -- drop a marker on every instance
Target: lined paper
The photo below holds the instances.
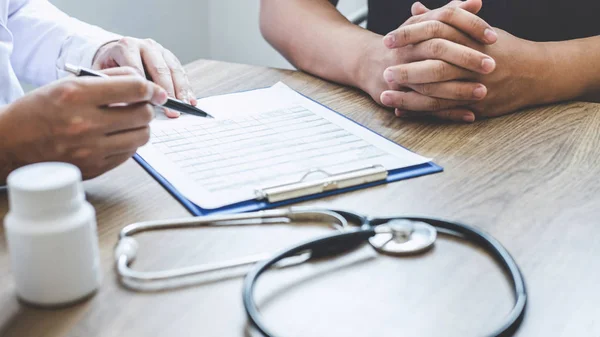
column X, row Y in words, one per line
column 222, row 161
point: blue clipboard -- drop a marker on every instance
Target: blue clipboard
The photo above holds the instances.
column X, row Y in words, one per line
column 256, row 205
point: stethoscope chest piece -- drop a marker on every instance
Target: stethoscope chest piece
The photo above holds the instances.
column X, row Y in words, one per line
column 403, row 237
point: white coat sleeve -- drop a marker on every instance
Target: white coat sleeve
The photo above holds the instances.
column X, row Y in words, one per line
column 45, row 38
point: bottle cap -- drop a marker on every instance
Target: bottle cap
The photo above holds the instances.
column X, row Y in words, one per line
column 44, row 187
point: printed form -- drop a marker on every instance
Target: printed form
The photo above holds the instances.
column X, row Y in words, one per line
column 259, row 139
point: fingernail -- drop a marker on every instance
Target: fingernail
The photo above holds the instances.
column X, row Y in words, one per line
column 191, row 96
column 490, row 35
column 488, row 65
column 386, row 99
column 387, row 74
column 399, row 113
column 389, row 40
column 480, row 92
column 469, row 118
column 160, row 97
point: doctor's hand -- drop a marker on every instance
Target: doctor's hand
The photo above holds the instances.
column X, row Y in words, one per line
column 94, row 123
column 150, row 59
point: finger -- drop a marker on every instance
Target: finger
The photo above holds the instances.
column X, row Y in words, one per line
column 473, row 6
column 119, row 119
column 453, row 90
column 181, row 84
column 159, row 71
column 120, row 89
column 453, row 53
column 428, row 71
column 121, row 71
column 418, row 8
column 126, row 53
column 457, row 115
column 156, row 66
column 415, row 101
column 170, row 113
column 454, row 114
column 424, row 31
column 126, row 141
column 460, row 19
column 192, row 96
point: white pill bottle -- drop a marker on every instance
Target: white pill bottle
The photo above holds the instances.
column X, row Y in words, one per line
column 51, row 235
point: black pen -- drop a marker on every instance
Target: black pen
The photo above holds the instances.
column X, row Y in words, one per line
column 171, row 103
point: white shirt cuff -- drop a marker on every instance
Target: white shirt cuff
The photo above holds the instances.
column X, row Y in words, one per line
column 79, row 50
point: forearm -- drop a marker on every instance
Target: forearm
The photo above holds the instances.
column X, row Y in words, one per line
column 45, row 39
column 574, row 73
column 316, row 38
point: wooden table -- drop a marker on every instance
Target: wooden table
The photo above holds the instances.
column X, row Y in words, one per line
column 530, row 179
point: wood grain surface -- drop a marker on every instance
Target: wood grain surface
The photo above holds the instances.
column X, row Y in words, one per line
column 530, row 179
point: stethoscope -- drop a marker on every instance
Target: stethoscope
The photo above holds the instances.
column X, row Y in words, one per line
column 398, row 236
column 127, row 247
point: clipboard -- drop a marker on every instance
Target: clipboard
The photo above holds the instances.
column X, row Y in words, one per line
column 304, row 189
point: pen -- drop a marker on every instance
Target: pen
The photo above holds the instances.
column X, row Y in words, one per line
column 171, row 103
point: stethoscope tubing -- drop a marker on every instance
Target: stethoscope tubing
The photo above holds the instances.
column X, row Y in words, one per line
column 367, row 230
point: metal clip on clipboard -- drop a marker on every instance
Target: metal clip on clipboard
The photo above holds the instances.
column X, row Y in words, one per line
column 302, row 188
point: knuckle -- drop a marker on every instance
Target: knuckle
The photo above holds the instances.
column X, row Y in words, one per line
column 426, row 89
column 467, row 59
column 434, row 105
column 437, row 48
column 67, row 92
column 400, row 102
column 183, row 94
column 463, row 92
column 400, row 75
column 129, row 70
column 122, row 46
column 144, row 136
column 84, row 154
column 77, row 127
column 434, row 28
column 475, row 22
column 125, row 42
column 406, row 34
column 162, row 70
column 447, row 13
column 142, row 88
column 178, row 70
column 439, row 71
column 150, row 42
column 403, row 76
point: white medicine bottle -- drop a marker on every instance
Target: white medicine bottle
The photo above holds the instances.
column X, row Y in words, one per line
column 51, row 235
